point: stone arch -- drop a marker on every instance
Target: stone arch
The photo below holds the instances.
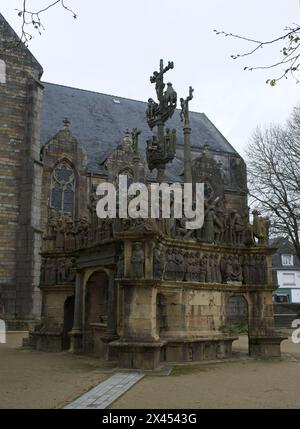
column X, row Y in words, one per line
column 69, row 305
column 237, row 308
column 237, row 320
column 95, row 305
column 2, row 71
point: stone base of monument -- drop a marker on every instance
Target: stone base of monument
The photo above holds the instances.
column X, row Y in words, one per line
column 265, row 345
column 198, row 349
column 137, row 355
column 151, row 355
column 45, row 341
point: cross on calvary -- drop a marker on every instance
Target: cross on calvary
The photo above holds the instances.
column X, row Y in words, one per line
column 158, row 79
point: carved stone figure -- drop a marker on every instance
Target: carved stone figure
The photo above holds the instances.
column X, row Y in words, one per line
column 51, row 271
column 212, row 270
column 209, row 268
column 92, row 209
column 203, row 269
column 158, row 77
column 52, row 223
column 135, row 140
column 60, row 233
column 218, row 276
column 236, row 273
column 184, row 103
column 170, row 96
column 69, row 235
column 219, row 226
column 152, row 110
column 246, row 268
column 252, row 269
column 179, row 265
column 159, row 262
column 238, row 227
column 61, row 272
column 170, row 265
column 261, row 227
column 138, row 261
column 208, row 227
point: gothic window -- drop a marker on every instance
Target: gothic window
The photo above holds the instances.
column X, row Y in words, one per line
column 63, row 189
column 2, row 72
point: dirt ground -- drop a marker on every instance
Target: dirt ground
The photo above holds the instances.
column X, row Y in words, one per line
column 31, row 379
column 245, row 384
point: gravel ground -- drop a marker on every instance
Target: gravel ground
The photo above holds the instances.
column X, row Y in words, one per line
column 31, row 379
column 245, row 384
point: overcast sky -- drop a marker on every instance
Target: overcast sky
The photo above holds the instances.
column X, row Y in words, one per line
column 115, row 45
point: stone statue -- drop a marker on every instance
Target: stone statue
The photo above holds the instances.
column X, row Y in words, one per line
column 170, row 96
column 209, row 274
column 184, row 103
column 152, row 110
column 137, row 261
column 252, row 269
column 170, row 265
column 238, row 227
column 60, row 233
column 203, row 269
column 218, row 276
column 52, row 223
column 219, row 226
column 246, row 274
column 135, row 140
column 92, row 209
column 236, row 274
column 261, row 227
column 159, row 262
column 209, row 227
column 61, row 272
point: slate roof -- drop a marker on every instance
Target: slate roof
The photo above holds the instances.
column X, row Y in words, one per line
column 99, row 120
column 285, row 247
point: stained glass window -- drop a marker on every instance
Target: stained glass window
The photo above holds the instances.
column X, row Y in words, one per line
column 63, row 189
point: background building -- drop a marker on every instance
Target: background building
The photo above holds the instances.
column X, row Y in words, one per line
column 287, row 266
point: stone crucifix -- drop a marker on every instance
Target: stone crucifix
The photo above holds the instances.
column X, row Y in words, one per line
column 158, row 79
column 184, row 103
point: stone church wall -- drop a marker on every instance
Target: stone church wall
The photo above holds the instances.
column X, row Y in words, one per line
column 20, row 171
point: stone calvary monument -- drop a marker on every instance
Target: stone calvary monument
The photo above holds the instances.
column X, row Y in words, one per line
column 142, row 292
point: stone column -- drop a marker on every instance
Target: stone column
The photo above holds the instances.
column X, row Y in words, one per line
column 76, row 333
column 112, row 320
column 187, row 155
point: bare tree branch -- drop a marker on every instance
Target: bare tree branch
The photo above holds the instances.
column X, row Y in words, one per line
column 32, row 19
column 289, row 53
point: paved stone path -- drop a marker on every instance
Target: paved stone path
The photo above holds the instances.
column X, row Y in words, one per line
column 107, row 392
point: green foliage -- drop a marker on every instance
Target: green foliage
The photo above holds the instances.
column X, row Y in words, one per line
column 238, row 328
